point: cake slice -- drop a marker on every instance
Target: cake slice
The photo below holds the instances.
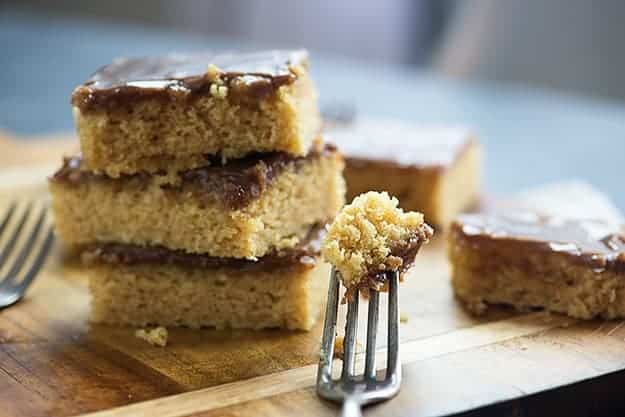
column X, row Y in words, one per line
column 243, row 209
column 372, row 236
column 431, row 169
column 140, row 286
column 527, row 260
column 169, row 113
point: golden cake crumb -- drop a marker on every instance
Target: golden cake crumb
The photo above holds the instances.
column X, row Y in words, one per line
column 213, row 72
column 219, row 91
column 373, row 235
column 339, row 348
column 403, row 317
column 156, row 336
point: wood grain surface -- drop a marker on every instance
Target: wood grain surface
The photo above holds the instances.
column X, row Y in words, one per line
column 54, row 362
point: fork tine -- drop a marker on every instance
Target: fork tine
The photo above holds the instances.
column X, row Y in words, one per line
column 16, row 233
column 329, row 331
column 393, row 367
column 39, row 261
column 27, row 249
column 372, row 330
column 349, row 343
column 7, row 217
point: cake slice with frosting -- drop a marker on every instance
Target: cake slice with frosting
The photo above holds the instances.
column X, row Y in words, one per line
column 371, row 237
column 170, row 113
column 528, row 260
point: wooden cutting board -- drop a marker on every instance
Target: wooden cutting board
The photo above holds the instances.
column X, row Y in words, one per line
column 54, row 362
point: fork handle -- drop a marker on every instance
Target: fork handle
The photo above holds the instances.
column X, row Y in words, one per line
column 351, row 407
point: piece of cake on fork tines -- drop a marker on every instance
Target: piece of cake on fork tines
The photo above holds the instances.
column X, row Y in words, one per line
column 372, row 236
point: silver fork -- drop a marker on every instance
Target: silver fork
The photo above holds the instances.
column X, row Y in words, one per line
column 28, row 239
column 351, row 390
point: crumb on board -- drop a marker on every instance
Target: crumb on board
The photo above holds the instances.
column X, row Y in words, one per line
column 212, row 72
column 339, row 347
column 403, row 317
column 156, row 336
column 219, row 91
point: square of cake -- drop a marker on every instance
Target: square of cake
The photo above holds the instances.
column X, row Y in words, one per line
column 433, row 170
column 245, row 208
column 169, row 113
column 528, row 261
column 140, row 286
column 372, row 236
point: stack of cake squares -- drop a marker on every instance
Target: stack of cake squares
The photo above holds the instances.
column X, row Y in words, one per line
column 202, row 191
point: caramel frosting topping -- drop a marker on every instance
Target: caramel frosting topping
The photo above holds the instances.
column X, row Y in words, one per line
column 238, row 76
column 401, row 258
column 305, row 254
column 235, row 184
column 596, row 243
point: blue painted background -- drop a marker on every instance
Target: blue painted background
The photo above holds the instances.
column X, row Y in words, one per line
column 531, row 137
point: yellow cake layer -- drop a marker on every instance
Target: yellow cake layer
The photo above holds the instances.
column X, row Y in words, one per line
column 168, row 135
column 143, row 212
column 170, row 295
